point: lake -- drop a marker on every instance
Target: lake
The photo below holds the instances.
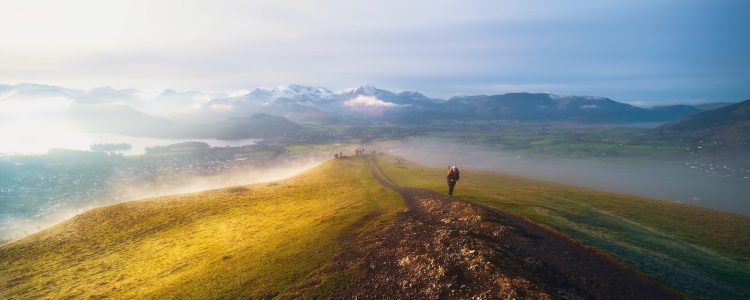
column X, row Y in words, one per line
column 83, row 141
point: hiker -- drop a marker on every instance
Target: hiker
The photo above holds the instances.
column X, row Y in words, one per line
column 452, row 179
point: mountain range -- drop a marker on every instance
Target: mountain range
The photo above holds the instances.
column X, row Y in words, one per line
column 368, row 103
column 176, row 113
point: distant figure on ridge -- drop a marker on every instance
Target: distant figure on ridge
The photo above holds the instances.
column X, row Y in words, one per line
column 453, row 177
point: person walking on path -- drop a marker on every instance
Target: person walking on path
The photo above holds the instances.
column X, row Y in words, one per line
column 453, row 177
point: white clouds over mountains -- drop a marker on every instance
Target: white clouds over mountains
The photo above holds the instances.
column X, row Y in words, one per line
column 629, row 50
column 368, row 102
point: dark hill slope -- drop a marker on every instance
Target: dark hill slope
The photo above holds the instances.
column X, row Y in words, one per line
column 712, row 105
column 254, row 126
column 548, row 107
column 730, row 124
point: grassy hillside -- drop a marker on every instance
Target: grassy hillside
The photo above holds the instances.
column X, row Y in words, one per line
column 253, row 241
column 283, row 238
column 702, row 252
column 729, row 124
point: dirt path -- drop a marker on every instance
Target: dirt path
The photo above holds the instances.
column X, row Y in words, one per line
column 450, row 248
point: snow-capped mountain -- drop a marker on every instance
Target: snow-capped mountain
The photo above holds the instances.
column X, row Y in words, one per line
column 402, row 98
column 294, row 91
column 307, row 103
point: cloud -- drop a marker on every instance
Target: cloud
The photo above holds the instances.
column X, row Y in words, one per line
column 369, row 105
column 369, row 102
column 436, row 47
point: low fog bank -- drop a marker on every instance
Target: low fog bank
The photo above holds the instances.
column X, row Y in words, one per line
column 241, row 176
column 667, row 180
column 15, row 226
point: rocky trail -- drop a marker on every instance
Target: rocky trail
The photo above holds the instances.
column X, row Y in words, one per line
column 449, row 248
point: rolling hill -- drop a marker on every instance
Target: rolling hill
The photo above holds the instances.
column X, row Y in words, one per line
column 120, row 119
column 712, row 105
column 255, row 126
column 344, row 229
column 255, row 241
column 728, row 124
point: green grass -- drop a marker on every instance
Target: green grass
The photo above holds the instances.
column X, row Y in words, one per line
column 318, row 148
column 252, row 241
column 570, row 141
column 704, row 253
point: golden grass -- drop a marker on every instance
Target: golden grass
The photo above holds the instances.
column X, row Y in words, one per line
column 252, row 241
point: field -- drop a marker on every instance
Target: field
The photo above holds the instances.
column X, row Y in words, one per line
column 565, row 139
column 618, row 142
column 251, row 241
column 701, row 252
column 301, row 149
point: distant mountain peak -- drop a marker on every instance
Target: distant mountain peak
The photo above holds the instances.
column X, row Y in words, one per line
column 362, row 89
column 291, row 92
column 103, row 89
column 588, row 98
column 108, row 92
column 44, row 90
column 410, row 93
column 168, row 92
column 30, row 86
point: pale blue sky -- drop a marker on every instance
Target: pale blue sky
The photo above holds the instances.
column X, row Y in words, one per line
column 633, row 51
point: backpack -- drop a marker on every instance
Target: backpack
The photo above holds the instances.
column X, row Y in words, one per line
column 453, row 174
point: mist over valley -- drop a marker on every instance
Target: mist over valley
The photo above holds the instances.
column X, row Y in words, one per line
column 715, row 185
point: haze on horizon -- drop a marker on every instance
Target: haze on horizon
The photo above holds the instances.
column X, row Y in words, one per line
column 646, row 52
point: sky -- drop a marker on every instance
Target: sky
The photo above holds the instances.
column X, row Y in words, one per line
column 638, row 51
